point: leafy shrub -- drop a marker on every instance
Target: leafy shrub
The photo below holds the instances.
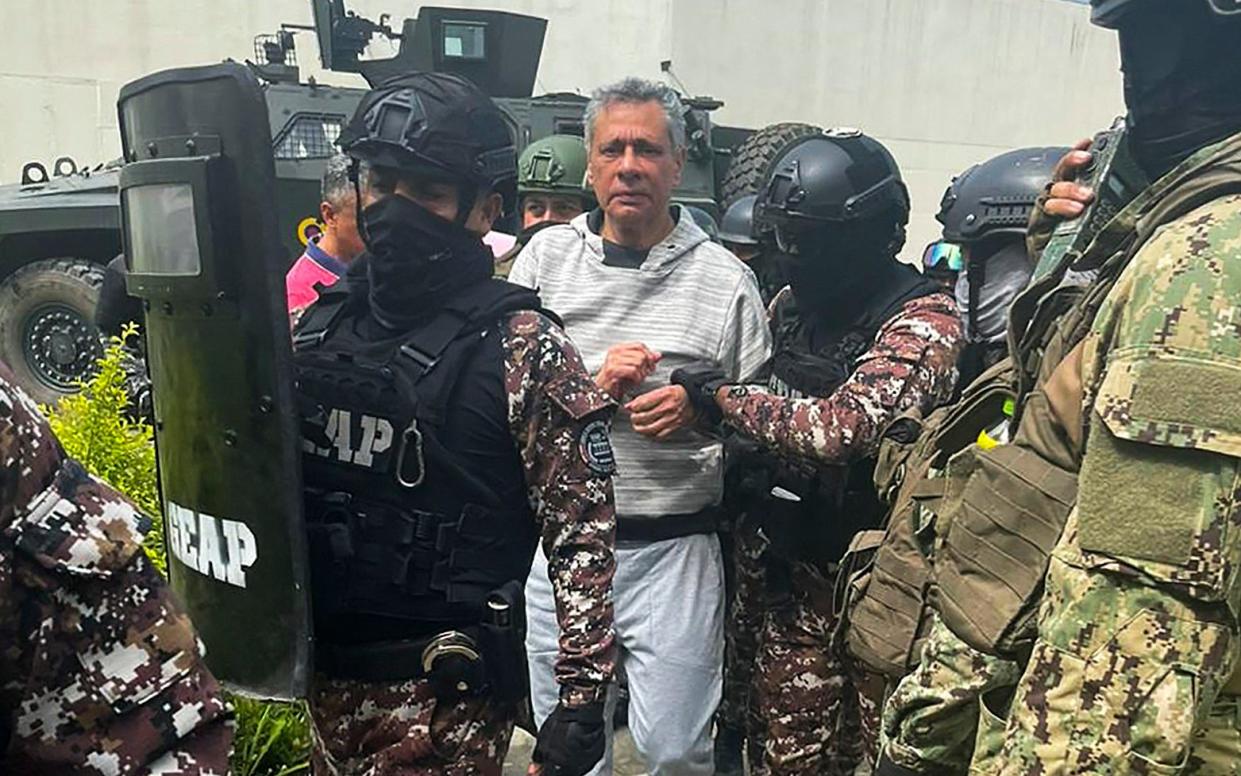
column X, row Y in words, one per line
column 95, row 427
column 273, row 739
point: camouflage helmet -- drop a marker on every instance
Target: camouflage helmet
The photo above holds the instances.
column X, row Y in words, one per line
column 1107, row 13
column 555, row 164
column 435, row 124
column 997, row 196
column 737, row 225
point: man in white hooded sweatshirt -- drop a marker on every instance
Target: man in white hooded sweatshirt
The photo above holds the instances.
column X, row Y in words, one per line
column 643, row 291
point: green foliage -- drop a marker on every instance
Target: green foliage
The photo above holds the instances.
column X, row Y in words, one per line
column 95, row 429
column 273, row 739
column 95, row 426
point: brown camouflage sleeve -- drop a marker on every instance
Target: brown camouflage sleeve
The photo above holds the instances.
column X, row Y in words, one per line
column 561, row 421
column 100, row 669
column 912, row 363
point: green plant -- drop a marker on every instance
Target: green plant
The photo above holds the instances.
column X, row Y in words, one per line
column 97, row 427
column 273, row 739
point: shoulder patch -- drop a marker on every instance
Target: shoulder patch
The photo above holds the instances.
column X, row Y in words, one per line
column 595, row 447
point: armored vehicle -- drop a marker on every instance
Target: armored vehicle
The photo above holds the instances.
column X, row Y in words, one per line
column 58, row 230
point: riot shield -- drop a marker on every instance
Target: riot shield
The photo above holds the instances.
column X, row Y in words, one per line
column 200, row 234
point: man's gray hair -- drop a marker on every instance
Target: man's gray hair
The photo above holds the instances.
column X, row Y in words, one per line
column 638, row 90
column 337, row 189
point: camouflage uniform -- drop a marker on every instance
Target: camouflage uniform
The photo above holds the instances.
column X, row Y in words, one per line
column 375, row 728
column 742, row 632
column 1138, row 630
column 100, row 670
column 816, row 716
column 930, row 721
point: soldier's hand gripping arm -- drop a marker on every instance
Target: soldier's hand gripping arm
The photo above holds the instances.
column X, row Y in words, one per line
column 912, row 363
column 560, row 420
column 100, row 669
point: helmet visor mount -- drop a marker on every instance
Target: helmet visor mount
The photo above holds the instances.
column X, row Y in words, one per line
column 786, row 239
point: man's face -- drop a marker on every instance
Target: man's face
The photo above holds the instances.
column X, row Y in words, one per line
column 632, row 164
column 442, row 199
column 554, row 208
column 341, row 221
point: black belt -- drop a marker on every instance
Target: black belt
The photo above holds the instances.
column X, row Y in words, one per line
column 657, row 529
column 392, row 661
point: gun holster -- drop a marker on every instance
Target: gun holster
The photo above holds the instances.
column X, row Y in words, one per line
column 502, row 637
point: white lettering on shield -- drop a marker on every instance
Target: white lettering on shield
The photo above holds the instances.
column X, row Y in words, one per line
column 212, row 546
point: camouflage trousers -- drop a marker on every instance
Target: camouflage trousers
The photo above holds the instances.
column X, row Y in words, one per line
column 742, row 634
column 818, row 713
column 400, row 729
column 930, row 720
column 1125, row 677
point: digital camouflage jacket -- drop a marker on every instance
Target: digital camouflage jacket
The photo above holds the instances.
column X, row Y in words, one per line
column 911, row 363
column 100, row 669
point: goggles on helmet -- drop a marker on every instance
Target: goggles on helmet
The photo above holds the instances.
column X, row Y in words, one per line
column 943, row 256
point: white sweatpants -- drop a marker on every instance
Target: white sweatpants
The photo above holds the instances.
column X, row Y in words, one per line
column 669, row 606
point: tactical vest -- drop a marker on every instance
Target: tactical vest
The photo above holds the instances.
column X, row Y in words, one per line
column 886, row 601
column 835, row 501
column 415, row 493
column 1007, row 506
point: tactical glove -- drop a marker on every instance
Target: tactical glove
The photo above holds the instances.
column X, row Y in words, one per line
column 701, row 381
column 570, row 742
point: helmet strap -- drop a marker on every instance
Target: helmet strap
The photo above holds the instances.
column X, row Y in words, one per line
column 467, row 195
column 355, row 176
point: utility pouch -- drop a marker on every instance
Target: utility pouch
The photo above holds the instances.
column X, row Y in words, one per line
column 783, row 512
column 1000, row 536
column 502, row 639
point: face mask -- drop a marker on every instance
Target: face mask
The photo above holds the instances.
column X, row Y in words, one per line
column 1182, row 83
column 835, row 269
column 1005, row 274
column 417, row 260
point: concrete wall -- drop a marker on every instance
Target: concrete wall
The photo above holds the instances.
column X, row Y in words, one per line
column 945, row 83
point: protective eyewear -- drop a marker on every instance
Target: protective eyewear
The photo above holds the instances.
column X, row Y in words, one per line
column 943, row 256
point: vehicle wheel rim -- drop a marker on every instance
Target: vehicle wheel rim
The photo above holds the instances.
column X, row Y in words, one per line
column 61, row 346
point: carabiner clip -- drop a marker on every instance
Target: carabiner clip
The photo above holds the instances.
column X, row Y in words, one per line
column 411, row 434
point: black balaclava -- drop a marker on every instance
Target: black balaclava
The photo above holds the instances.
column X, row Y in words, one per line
column 416, row 260
column 767, row 269
column 839, row 266
column 1182, row 81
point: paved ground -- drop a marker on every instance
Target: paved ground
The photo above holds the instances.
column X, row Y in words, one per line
column 627, row 762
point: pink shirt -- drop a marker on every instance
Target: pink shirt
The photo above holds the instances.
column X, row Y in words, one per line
column 313, row 266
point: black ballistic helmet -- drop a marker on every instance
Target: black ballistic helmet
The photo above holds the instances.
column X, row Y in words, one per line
column 838, row 176
column 439, row 125
column 1108, row 13
column 997, row 196
column 737, row 225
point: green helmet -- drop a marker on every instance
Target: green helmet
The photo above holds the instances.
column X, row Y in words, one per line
column 554, row 165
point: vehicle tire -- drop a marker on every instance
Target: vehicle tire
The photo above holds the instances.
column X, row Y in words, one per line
column 47, row 325
column 751, row 159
